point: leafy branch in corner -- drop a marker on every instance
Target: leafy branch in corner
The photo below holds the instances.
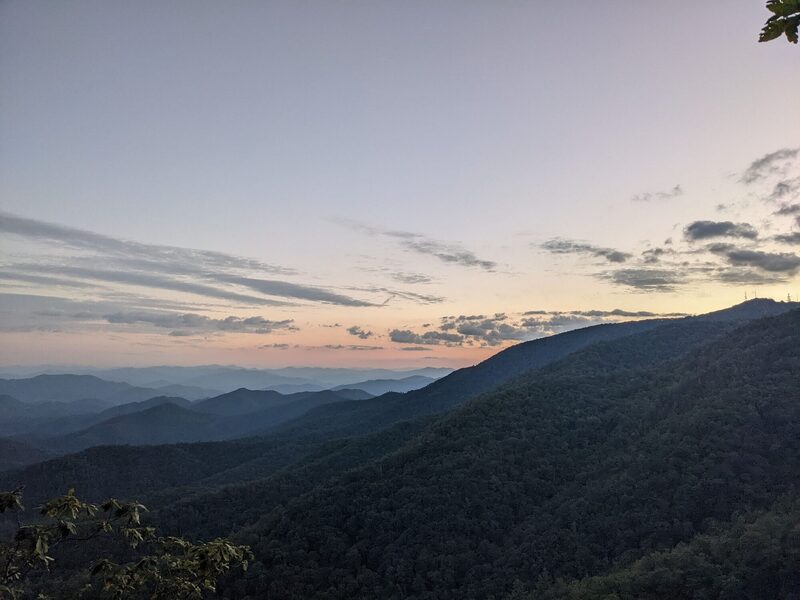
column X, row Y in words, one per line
column 785, row 20
column 166, row 567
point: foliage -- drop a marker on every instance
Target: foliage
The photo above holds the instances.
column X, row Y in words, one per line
column 785, row 20
column 753, row 557
column 166, row 567
column 569, row 472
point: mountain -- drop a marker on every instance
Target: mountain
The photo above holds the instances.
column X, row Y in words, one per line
column 134, row 407
column 378, row 387
column 240, row 402
column 637, row 351
column 16, row 453
column 206, row 379
column 96, row 394
column 291, row 440
column 18, row 417
column 160, row 424
column 573, row 470
column 174, row 420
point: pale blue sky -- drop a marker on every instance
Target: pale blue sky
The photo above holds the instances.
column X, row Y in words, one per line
column 302, row 134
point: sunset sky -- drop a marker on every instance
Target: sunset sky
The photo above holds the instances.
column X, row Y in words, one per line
column 391, row 184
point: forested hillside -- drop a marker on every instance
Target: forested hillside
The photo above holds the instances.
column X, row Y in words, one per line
column 582, row 466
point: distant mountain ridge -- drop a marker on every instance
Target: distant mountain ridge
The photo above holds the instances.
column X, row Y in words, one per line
column 68, row 388
column 377, row 387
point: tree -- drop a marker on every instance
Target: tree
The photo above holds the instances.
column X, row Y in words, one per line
column 163, row 568
column 785, row 20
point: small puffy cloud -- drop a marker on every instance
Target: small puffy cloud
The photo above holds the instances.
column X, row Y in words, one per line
column 664, row 195
column 563, row 246
column 359, row 332
column 703, row 230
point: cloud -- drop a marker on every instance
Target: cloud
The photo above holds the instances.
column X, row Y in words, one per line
column 770, row 262
column 788, row 238
column 788, row 189
column 563, row 246
column 702, row 230
column 769, row 164
column 654, row 255
column 29, row 312
column 86, row 240
column 410, row 278
column 446, row 252
column 737, row 276
column 645, row 279
column 617, row 312
column 650, row 196
column 405, row 295
column 126, row 262
column 359, row 333
column 44, row 280
column 355, row 347
column 414, row 349
column 788, row 209
column 766, row 261
column 275, row 346
column 188, row 322
column 429, row 338
column 150, row 280
column 292, row 290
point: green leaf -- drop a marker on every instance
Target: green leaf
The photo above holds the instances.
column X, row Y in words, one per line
column 773, row 29
column 783, row 8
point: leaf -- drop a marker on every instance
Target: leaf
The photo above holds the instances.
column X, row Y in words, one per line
column 783, row 8
column 773, row 29
column 791, row 29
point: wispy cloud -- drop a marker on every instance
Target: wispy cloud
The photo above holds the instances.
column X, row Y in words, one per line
column 788, row 189
column 194, row 323
column 410, row 278
column 564, row 246
column 447, row 252
column 646, row 280
column 651, row 196
column 770, row 164
column 171, row 268
column 165, row 255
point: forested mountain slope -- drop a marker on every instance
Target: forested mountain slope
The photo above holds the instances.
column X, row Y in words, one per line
column 754, row 556
column 215, row 512
column 465, row 384
column 568, row 472
column 130, row 471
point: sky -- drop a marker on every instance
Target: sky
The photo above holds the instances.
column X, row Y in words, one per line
column 393, row 184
